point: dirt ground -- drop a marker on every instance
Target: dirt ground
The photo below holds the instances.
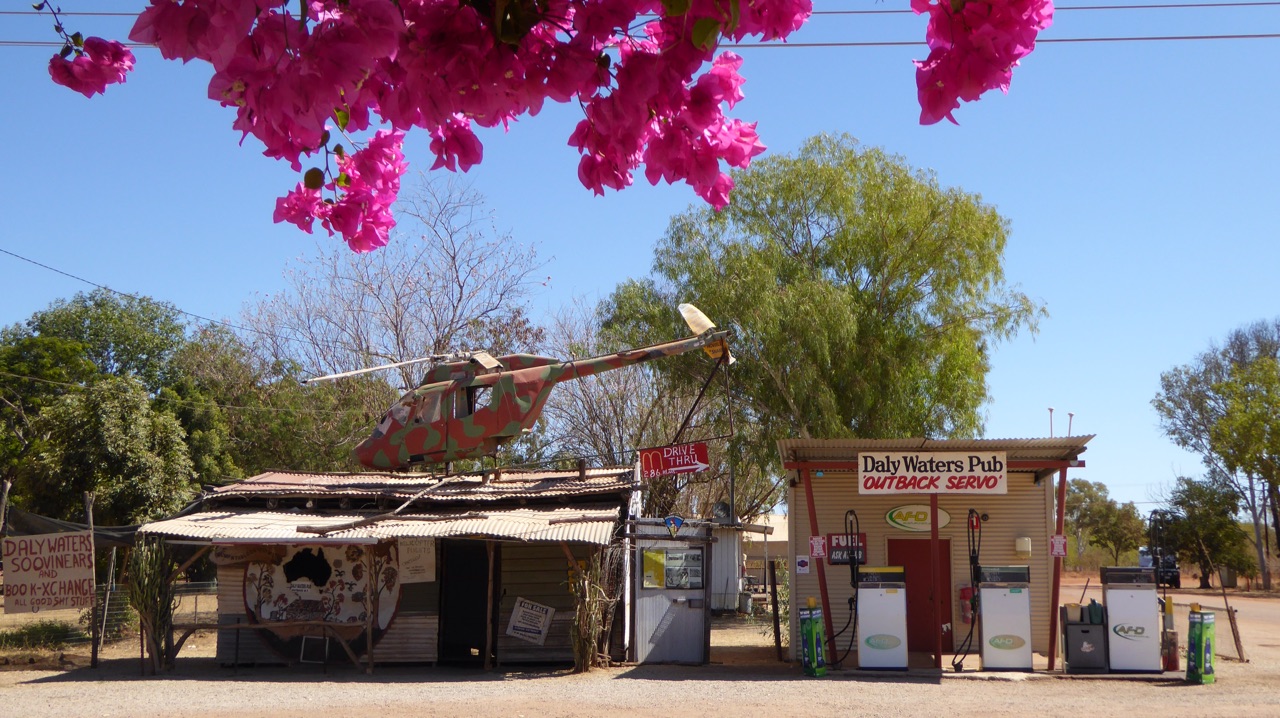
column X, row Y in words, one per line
column 744, row 678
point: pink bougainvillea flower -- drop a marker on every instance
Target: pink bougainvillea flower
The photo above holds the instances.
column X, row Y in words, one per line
column 103, row 62
column 974, row 46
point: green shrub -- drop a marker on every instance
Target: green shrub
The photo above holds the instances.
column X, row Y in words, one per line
column 45, row 634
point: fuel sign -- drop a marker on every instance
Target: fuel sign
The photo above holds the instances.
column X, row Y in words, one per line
column 838, row 554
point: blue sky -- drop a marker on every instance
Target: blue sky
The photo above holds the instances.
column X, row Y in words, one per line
column 1139, row 179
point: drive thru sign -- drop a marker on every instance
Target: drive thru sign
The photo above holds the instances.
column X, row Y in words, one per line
column 674, row 459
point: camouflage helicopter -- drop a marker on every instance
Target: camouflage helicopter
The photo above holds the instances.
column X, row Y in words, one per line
column 470, row 404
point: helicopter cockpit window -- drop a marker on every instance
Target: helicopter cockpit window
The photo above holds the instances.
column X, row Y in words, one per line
column 478, row 397
column 397, row 413
column 428, row 409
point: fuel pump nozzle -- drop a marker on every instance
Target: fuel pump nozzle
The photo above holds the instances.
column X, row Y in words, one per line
column 973, row 533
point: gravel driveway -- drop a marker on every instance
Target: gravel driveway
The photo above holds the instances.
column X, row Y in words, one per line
column 741, row 681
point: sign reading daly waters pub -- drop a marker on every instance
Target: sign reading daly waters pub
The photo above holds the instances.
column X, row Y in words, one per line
column 928, row 472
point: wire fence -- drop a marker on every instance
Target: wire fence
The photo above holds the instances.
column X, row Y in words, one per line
column 197, row 602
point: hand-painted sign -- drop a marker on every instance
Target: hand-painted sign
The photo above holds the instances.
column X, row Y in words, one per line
column 1058, row 546
column 47, row 572
column 927, row 472
column 839, row 551
column 914, row 517
column 417, row 560
column 675, row 459
column 530, row 621
column 817, row 546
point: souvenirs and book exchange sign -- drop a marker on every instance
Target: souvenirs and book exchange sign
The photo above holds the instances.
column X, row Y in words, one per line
column 932, row 472
column 48, row 572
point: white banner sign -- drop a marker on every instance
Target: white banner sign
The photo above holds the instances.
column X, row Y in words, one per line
column 530, row 621
column 417, row 560
column 951, row 472
column 48, row 572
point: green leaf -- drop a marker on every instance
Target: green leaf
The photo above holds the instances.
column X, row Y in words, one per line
column 324, row 138
column 342, row 117
column 343, row 180
column 340, row 151
column 705, row 33
column 66, row 51
column 313, row 179
column 77, row 39
column 735, row 14
column 675, row 8
column 38, row 6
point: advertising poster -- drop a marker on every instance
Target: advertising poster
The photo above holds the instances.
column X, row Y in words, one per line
column 530, row 621
column 684, row 568
column 654, row 568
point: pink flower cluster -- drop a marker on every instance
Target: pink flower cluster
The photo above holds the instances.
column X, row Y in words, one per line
column 100, row 63
column 448, row 65
column 974, row 46
column 369, row 180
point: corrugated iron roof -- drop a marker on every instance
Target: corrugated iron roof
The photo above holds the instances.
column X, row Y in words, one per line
column 582, row 524
column 1064, row 448
column 510, row 484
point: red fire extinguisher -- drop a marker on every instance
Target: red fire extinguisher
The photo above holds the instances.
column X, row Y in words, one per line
column 966, row 604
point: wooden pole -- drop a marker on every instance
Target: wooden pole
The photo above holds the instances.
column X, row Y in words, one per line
column 373, row 611
column 1056, row 589
column 935, row 597
column 773, row 594
column 488, row 612
column 4, row 504
column 95, row 635
column 807, row 478
column 1231, row 615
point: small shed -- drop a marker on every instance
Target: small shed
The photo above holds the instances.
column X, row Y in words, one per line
column 464, row 569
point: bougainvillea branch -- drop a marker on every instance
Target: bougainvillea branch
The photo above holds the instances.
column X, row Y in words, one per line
column 648, row 75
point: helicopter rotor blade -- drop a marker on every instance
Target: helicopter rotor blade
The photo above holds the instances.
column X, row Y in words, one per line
column 366, row 370
column 699, row 323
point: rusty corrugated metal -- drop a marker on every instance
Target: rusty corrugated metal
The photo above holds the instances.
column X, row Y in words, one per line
column 1045, row 449
column 510, row 484
column 587, row 524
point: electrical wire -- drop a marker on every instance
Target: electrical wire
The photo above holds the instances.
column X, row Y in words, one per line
column 815, row 13
column 841, row 43
column 136, row 297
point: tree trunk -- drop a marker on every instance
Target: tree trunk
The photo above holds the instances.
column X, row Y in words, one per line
column 1256, row 516
column 1274, row 492
column 1206, row 572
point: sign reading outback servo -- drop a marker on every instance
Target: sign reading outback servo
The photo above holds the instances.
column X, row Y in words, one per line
column 951, row 472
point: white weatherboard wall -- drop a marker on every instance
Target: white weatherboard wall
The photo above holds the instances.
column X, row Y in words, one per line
column 1027, row 510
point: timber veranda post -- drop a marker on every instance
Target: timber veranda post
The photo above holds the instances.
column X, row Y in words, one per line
column 1056, row 589
column 94, row 635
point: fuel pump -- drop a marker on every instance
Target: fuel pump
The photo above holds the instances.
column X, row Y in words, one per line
column 969, row 596
column 852, row 539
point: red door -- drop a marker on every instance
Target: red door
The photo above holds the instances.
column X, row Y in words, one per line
column 913, row 556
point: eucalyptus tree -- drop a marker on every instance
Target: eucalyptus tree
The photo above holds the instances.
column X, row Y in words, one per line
column 864, row 297
column 1222, row 406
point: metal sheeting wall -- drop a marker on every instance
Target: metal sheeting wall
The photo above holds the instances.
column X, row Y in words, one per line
column 540, row 573
column 726, row 570
column 1027, row 510
column 238, row 646
column 412, row 636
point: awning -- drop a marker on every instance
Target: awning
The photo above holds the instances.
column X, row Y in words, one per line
column 581, row 524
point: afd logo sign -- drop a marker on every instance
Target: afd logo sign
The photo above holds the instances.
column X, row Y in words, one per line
column 1007, row 642
column 883, row 641
column 1132, row 633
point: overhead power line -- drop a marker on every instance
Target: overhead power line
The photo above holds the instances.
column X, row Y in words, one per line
column 841, row 43
column 134, row 296
column 1060, row 8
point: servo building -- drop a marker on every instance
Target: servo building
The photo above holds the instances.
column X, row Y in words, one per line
column 911, row 499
